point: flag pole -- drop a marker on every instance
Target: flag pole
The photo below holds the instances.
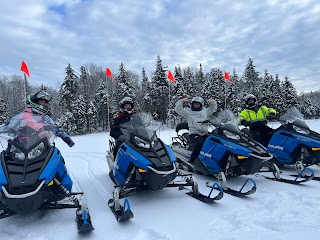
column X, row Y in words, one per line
column 107, row 87
column 225, row 95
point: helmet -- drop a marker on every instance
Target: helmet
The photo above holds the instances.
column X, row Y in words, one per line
column 197, row 100
column 126, row 100
column 33, row 101
column 246, row 99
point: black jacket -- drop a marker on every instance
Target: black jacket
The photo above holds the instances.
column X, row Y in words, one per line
column 121, row 118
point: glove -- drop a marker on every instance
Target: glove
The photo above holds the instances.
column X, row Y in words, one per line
column 121, row 138
column 68, row 141
column 245, row 123
column 271, row 116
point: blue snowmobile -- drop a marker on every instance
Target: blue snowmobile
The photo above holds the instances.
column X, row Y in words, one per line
column 144, row 162
column 226, row 152
column 33, row 174
column 294, row 143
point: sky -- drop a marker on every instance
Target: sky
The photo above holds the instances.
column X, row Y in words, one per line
column 275, row 211
column 280, row 36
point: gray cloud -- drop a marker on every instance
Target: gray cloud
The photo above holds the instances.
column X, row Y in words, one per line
column 280, row 36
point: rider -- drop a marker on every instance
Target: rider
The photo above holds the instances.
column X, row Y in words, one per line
column 126, row 113
column 195, row 116
column 255, row 117
column 37, row 105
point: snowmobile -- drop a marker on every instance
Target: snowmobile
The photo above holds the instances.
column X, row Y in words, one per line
column 226, row 152
column 33, row 174
column 294, row 143
column 144, row 162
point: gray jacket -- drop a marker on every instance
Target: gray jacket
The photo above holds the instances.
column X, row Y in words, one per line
column 193, row 117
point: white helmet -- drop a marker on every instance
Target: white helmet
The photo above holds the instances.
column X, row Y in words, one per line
column 126, row 100
column 197, row 100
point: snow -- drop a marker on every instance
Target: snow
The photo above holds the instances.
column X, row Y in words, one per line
column 276, row 211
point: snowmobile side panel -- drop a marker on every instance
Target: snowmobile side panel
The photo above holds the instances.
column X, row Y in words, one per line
column 53, row 166
column 3, row 180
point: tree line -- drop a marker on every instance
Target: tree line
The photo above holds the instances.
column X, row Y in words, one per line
column 86, row 101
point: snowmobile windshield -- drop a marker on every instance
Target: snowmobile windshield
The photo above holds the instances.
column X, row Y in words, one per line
column 294, row 116
column 25, row 131
column 142, row 126
column 227, row 120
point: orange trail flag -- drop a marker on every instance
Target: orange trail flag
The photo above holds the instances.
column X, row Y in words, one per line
column 227, row 77
column 109, row 73
column 170, row 76
column 24, row 68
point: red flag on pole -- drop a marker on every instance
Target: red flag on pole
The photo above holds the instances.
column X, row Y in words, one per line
column 227, row 77
column 109, row 73
column 170, row 76
column 24, row 68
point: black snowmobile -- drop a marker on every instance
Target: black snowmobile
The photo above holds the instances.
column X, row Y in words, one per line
column 33, row 174
column 143, row 163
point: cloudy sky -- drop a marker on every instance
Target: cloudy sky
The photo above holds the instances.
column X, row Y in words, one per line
column 280, row 36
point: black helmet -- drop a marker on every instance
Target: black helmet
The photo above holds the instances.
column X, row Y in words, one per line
column 247, row 98
column 126, row 100
column 197, row 100
column 33, row 101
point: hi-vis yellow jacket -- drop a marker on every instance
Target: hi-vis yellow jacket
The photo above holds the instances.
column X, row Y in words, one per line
column 252, row 116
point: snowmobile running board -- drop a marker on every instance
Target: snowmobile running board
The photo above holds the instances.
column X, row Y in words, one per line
column 235, row 192
column 306, row 178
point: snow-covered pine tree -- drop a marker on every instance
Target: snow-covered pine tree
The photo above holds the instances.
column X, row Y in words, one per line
column 189, row 82
column 289, row 94
column 122, row 88
column 265, row 95
column 214, row 87
column 306, row 107
column 159, row 92
column 67, row 96
column 102, row 105
column 234, row 94
column 3, row 111
column 199, row 81
column 145, row 93
column 80, row 115
column 251, row 79
column 91, row 116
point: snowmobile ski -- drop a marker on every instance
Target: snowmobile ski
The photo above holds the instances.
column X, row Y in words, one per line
column 237, row 193
column 305, row 178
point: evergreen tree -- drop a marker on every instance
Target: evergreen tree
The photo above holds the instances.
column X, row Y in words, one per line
column 159, row 92
column 123, row 88
column 102, row 105
column 67, row 97
column 3, row 111
column 145, row 90
column 289, row 94
column 80, row 115
column 251, row 78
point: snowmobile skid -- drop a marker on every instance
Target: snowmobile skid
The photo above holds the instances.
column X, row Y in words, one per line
column 145, row 163
column 33, row 175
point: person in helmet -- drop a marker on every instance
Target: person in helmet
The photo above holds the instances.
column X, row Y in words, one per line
column 195, row 116
column 125, row 114
column 37, row 105
column 255, row 117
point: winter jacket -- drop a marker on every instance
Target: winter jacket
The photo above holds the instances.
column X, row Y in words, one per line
column 194, row 117
column 121, row 118
column 257, row 115
column 30, row 113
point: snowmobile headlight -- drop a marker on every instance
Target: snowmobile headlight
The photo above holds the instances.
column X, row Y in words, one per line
column 231, row 135
column 36, row 152
column 16, row 153
column 141, row 143
column 301, row 130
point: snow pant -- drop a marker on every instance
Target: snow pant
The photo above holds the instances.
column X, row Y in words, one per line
column 262, row 134
column 121, row 139
column 198, row 141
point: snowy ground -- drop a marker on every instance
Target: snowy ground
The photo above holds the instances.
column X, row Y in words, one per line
column 276, row 211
